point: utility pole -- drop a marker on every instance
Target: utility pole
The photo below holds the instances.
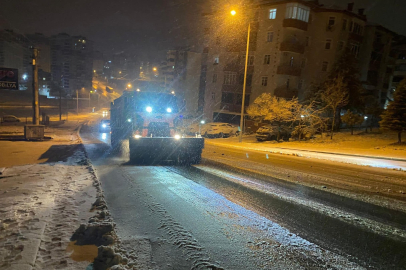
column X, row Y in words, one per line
column 60, row 104
column 77, row 102
column 35, row 91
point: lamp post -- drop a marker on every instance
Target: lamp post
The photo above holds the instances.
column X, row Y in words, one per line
column 233, row 13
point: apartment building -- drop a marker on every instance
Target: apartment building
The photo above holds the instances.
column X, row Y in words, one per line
column 72, row 62
column 397, row 64
column 181, row 74
column 15, row 52
column 293, row 45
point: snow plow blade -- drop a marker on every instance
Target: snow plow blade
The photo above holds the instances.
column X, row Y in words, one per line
column 158, row 150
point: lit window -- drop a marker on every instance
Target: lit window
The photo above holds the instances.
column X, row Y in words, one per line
column 291, row 61
column 267, row 59
column 328, row 44
column 298, row 12
column 272, row 14
column 264, row 81
column 269, row 37
column 324, row 66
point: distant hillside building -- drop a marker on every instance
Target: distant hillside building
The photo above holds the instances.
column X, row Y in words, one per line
column 72, row 62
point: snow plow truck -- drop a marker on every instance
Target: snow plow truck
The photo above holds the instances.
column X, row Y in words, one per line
column 150, row 120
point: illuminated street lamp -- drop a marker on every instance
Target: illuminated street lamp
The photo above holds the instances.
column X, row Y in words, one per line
column 138, row 90
column 233, row 13
column 154, row 69
column 129, row 85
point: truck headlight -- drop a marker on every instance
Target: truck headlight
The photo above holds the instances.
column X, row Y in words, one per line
column 149, row 109
column 136, row 136
column 104, row 125
column 169, row 110
column 177, row 137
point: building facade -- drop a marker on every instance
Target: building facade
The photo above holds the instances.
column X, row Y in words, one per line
column 15, row 52
column 72, row 63
column 293, row 46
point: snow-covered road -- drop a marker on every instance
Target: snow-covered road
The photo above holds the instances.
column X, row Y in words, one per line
column 176, row 221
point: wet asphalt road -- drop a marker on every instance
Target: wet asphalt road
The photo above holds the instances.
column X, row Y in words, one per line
column 130, row 191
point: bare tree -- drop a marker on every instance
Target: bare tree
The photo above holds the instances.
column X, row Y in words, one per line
column 335, row 96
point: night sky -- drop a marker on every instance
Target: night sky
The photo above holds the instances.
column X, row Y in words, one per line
column 147, row 28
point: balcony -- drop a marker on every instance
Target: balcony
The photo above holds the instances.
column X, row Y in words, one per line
column 286, row 93
column 288, row 70
column 289, row 46
column 355, row 37
column 295, row 24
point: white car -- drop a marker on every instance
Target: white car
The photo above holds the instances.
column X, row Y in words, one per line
column 220, row 130
column 10, row 118
column 195, row 128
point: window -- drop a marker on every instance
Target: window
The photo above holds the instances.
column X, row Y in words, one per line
column 300, row 85
column 354, row 48
column 287, row 83
column 341, row 45
column 264, row 81
column 328, row 44
column 272, row 14
column 251, row 59
column 267, row 59
column 356, row 28
column 324, row 66
column 239, row 99
column 298, row 12
column 241, row 79
column 214, row 77
column 269, row 37
column 303, row 64
column 230, row 78
column 213, row 96
column 344, row 24
column 291, row 62
column 331, row 21
column 216, row 60
column 227, row 97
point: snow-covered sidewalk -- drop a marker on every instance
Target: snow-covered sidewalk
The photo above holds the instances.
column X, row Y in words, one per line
column 368, row 150
column 47, row 191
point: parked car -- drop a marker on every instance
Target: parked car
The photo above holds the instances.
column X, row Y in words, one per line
column 104, row 126
column 221, row 130
column 270, row 133
column 195, row 128
column 10, row 118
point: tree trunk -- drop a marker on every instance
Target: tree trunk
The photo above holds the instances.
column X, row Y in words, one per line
column 400, row 137
column 332, row 126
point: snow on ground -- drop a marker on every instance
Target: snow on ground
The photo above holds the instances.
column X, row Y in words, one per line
column 47, row 191
column 346, row 148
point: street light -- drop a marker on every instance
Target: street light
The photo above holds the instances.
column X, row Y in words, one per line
column 129, row 85
column 233, row 13
column 154, row 69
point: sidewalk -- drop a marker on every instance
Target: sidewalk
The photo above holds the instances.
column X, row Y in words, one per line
column 362, row 150
column 47, row 190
